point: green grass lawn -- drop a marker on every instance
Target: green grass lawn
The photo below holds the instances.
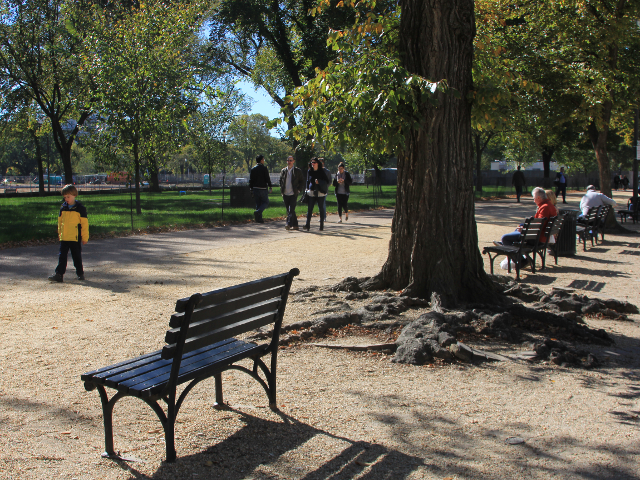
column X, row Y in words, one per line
column 35, row 218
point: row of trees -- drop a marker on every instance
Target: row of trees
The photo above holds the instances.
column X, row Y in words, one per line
column 431, row 83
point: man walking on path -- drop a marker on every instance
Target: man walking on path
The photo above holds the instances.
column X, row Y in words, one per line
column 259, row 181
column 518, row 181
column 291, row 184
column 561, row 185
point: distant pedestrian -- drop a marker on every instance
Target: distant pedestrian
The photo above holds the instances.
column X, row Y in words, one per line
column 342, row 181
column 625, row 183
column 259, row 182
column 616, row 182
column 518, row 181
column 317, row 188
column 328, row 175
column 561, row 184
column 73, row 232
column 291, row 184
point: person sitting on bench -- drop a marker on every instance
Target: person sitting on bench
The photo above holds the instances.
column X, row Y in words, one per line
column 545, row 210
column 592, row 199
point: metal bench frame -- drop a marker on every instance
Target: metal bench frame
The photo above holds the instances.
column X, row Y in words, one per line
column 529, row 239
column 200, row 345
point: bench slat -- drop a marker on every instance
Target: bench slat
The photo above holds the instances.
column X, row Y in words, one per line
column 221, row 333
column 89, row 375
column 225, row 294
column 218, row 358
column 228, row 306
column 213, row 323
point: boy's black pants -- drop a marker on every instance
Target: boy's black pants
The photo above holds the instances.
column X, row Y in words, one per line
column 76, row 254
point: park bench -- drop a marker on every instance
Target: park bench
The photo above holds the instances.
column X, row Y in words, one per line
column 551, row 230
column 601, row 221
column 520, row 254
column 201, row 344
column 631, row 211
column 588, row 227
column 10, row 190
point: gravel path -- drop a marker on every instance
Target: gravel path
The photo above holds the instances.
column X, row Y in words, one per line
column 343, row 414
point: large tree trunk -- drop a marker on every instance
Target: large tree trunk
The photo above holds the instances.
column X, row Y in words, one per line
column 136, row 175
column 547, row 154
column 478, row 152
column 434, row 241
column 598, row 137
column 40, row 161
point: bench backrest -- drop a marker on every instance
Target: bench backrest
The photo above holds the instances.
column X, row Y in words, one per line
column 603, row 213
column 592, row 215
column 204, row 319
column 531, row 230
column 555, row 227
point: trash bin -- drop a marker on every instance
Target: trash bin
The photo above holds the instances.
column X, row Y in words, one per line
column 240, row 197
column 567, row 237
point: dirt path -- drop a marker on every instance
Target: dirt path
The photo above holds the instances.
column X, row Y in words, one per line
column 342, row 415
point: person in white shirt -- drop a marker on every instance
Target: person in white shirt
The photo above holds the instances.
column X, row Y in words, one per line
column 593, row 199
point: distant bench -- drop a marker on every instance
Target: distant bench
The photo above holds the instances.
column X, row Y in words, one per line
column 10, row 190
column 200, row 345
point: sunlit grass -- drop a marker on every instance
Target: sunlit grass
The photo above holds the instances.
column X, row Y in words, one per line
column 35, row 218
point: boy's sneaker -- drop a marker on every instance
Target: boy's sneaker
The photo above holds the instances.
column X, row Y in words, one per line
column 56, row 277
column 81, row 277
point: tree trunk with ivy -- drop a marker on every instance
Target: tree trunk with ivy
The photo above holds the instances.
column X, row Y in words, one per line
column 433, row 251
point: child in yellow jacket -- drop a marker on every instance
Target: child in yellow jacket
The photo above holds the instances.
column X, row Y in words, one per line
column 73, row 232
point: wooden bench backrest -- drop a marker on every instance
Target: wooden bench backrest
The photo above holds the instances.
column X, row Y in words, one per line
column 532, row 229
column 590, row 219
column 225, row 313
column 553, row 227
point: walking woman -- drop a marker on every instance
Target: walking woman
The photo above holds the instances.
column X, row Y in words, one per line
column 342, row 182
column 317, row 188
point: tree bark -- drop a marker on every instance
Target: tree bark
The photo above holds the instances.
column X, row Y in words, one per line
column 547, row 154
column 598, row 137
column 434, row 241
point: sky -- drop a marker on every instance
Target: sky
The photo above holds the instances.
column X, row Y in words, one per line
column 262, row 102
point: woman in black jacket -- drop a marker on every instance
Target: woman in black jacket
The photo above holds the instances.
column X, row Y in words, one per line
column 317, row 188
column 342, row 182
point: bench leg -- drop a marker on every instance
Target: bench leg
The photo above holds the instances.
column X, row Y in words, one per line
column 107, row 416
column 271, row 379
column 219, row 398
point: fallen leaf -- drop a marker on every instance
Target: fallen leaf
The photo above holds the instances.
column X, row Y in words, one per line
column 157, row 430
column 66, row 433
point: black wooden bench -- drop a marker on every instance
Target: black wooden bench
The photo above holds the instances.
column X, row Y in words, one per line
column 588, row 227
column 523, row 252
column 551, row 230
column 10, row 190
column 632, row 211
column 200, row 345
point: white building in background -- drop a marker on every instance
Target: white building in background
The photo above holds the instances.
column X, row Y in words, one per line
column 505, row 166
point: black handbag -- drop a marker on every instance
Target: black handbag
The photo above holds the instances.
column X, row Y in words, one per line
column 305, row 198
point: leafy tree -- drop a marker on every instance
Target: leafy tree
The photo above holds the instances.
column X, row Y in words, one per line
column 410, row 95
column 39, row 63
column 586, row 54
column 275, row 45
column 250, row 136
column 209, row 128
column 142, row 62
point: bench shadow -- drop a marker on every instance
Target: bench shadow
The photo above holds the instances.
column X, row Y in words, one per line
column 252, row 449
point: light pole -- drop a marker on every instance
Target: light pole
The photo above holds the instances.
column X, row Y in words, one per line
column 224, row 172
